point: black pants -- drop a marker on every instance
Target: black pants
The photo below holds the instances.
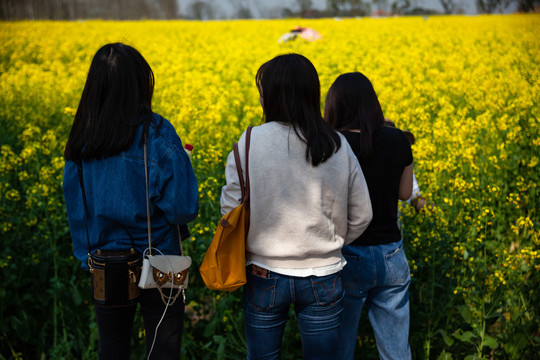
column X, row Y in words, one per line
column 115, row 327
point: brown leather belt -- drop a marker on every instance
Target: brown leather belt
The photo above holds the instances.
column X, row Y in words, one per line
column 259, row 271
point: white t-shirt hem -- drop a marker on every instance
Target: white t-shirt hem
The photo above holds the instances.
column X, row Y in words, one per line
column 304, row 272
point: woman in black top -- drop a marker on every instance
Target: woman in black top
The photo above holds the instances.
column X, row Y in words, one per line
column 377, row 272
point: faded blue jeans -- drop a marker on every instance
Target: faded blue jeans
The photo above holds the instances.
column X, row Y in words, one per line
column 379, row 277
column 318, row 304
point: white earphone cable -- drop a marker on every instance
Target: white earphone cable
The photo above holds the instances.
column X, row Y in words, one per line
column 166, row 307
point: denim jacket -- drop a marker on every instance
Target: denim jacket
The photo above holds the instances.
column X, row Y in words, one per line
column 115, row 190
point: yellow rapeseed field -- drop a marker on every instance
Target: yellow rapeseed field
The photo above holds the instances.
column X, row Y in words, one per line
column 467, row 87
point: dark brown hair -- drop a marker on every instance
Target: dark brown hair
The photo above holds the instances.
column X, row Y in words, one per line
column 351, row 104
column 291, row 92
column 116, row 99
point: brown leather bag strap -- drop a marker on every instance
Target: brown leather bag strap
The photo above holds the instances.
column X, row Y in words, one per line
column 239, row 169
column 245, row 189
column 248, row 141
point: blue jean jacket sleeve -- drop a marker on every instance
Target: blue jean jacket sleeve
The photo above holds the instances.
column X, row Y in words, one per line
column 178, row 189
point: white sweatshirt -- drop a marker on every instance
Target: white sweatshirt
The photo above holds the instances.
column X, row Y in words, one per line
column 300, row 215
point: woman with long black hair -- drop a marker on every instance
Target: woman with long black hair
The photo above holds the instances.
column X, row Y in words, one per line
column 113, row 122
column 308, row 198
column 377, row 273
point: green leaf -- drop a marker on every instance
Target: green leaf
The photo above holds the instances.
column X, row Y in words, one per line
column 447, row 339
column 210, row 328
column 220, row 340
column 465, row 312
column 464, row 337
column 445, row 356
column 491, row 342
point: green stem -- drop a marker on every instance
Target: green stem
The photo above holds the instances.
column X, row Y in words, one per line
column 483, row 331
column 56, row 308
column 431, row 301
column 55, row 299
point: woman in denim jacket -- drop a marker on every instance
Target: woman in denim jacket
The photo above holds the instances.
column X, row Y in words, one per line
column 377, row 273
column 114, row 113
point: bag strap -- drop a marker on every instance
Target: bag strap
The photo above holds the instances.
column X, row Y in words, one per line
column 245, row 189
column 248, row 141
column 148, row 206
column 148, row 223
column 239, row 170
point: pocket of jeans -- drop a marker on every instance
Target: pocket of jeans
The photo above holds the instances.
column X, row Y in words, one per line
column 398, row 266
column 259, row 292
column 327, row 289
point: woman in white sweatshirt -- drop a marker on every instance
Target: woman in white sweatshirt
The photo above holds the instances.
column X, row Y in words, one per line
column 308, row 198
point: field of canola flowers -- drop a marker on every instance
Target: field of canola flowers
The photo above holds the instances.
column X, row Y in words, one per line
column 467, row 87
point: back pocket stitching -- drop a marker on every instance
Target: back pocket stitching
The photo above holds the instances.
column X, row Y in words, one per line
column 332, row 296
column 256, row 299
column 388, row 257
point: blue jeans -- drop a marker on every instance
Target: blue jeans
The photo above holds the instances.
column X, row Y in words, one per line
column 318, row 304
column 379, row 277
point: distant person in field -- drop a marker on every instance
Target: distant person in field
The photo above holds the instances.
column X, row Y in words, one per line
column 377, row 272
column 105, row 145
column 308, row 198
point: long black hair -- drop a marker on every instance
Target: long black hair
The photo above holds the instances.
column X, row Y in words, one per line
column 352, row 104
column 116, row 99
column 291, row 94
